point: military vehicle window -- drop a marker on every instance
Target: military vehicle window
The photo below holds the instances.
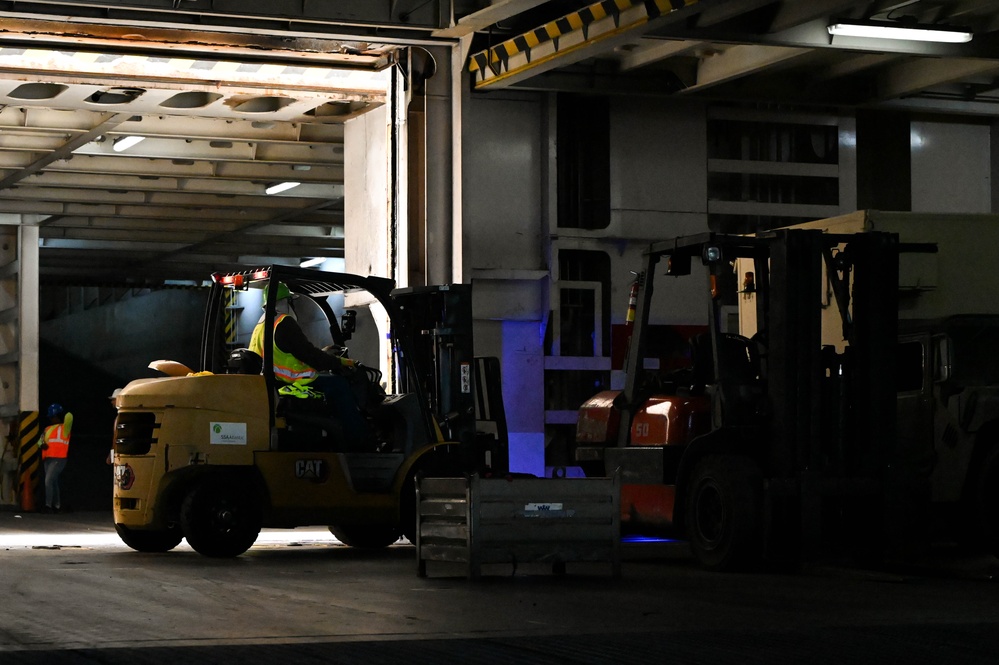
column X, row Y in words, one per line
column 976, row 362
column 909, row 367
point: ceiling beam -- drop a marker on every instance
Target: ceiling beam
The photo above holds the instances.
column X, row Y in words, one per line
column 66, row 150
column 139, row 224
column 193, row 247
column 791, row 14
column 814, row 34
column 726, row 11
column 574, row 37
column 197, row 149
column 655, row 50
column 191, row 200
column 108, row 165
column 739, row 61
column 854, row 64
column 496, row 12
column 915, row 76
column 60, row 121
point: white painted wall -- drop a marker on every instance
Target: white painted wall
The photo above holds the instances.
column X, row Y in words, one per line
column 658, row 168
column 367, row 203
column 367, row 227
column 658, row 191
column 501, row 139
column 950, row 167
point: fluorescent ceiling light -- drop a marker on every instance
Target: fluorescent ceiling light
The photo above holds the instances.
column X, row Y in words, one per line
column 311, row 263
column 281, row 187
column 912, row 32
column 126, row 142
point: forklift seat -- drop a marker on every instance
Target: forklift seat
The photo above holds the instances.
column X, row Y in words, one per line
column 309, row 426
column 738, row 356
column 738, row 380
column 331, row 420
column 244, row 361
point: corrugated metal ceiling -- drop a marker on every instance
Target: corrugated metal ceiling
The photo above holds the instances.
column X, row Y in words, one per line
column 234, row 96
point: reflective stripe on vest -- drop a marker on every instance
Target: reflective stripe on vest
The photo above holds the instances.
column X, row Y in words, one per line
column 55, row 436
column 287, row 367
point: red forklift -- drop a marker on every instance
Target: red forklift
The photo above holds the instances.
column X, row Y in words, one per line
column 770, row 444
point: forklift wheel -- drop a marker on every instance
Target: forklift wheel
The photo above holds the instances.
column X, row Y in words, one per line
column 149, row 541
column 368, row 536
column 724, row 512
column 219, row 520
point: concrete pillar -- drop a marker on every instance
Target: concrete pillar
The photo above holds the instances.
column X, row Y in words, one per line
column 28, row 298
column 884, row 161
column 18, row 345
column 444, row 231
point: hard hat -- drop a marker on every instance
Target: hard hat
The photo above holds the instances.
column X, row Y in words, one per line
column 282, row 292
column 55, row 410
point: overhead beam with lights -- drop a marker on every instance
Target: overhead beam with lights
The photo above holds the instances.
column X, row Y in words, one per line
column 900, row 31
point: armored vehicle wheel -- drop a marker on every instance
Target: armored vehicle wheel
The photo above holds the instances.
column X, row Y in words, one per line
column 366, row 535
column 149, row 541
column 988, row 503
column 723, row 512
column 219, row 520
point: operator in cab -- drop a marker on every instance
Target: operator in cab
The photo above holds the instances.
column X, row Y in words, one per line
column 298, row 365
column 297, row 362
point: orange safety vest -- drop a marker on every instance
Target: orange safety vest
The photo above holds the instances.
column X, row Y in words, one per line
column 55, row 436
column 287, row 367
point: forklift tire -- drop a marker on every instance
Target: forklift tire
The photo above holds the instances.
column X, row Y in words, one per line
column 149, row 541
column 724, row 513
column 366, row 536
column 218, row 519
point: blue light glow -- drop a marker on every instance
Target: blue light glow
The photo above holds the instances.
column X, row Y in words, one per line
column 635, row 538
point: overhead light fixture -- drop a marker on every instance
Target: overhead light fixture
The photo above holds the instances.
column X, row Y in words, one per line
column 281, row 187
column 313, row 262
column 126, row 142
column 900, row 30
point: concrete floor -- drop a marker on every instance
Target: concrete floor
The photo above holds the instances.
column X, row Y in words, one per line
column 72, row 594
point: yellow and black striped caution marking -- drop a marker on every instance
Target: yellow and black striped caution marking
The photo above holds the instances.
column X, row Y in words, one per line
column 495, row 62
column 230, row 316
column 30, row 458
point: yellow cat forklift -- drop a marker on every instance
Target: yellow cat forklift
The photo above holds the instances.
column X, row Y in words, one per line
column 216, row 454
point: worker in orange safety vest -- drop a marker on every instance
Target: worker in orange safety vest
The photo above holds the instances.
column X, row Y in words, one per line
column 54, row 443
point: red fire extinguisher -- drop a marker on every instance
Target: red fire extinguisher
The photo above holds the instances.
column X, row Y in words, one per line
column 629, row 318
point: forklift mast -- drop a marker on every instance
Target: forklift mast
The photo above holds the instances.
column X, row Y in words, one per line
column 793, row 271
column 436, row 323
column 463, row 392
column 810, row 397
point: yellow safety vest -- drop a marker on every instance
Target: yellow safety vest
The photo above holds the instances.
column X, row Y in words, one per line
column 287, row 367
